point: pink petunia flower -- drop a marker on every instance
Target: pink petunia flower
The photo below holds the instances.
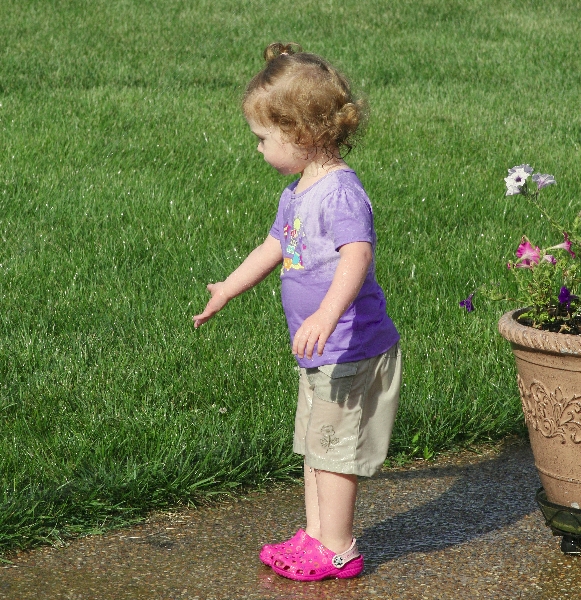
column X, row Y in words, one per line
column 527, row 254
column 566, row 245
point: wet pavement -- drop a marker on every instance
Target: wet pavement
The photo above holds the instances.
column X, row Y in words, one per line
column 463, row 526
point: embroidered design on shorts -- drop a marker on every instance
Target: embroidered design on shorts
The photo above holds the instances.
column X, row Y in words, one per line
column 328, row 441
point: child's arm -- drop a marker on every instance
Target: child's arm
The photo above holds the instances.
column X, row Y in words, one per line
column 257, row 265
column 347, row 281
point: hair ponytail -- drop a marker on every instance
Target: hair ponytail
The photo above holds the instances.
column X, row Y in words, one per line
column 348, row 122
column 277, row 49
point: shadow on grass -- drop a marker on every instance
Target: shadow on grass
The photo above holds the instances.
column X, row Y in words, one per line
column 485, row 497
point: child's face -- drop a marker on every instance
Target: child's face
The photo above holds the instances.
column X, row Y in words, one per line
column 285, row 157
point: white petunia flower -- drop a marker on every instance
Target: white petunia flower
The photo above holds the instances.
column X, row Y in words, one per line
column 517, row 177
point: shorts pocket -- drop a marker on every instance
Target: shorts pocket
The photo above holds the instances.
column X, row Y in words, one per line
column 332, row 383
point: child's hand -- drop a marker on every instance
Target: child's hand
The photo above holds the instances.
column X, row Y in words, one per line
column 316, row 329
column 216, row 303
column 354, row 263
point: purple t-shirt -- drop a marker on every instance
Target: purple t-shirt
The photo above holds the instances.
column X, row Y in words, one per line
column 311, row 227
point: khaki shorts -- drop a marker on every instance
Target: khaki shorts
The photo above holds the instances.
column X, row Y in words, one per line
column 345, row 414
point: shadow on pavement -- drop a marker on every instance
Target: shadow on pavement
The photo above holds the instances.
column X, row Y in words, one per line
column 484, row 497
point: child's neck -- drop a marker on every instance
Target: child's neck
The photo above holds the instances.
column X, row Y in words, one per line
column 317, row 169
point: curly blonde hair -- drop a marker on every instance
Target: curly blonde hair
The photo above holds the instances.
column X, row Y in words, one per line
column 306, row 97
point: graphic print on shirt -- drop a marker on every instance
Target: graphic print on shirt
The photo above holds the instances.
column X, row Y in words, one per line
column 294, row 246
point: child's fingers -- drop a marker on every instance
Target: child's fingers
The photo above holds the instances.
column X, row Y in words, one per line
column 215, row 305
column 318, row 340
column 298, row 344
column 321, row 343
column 307, row 337
column 295, row 344
column 304, row 343
column 210, row 310
column 310, row 345
column 204, row 316
column 199, row 320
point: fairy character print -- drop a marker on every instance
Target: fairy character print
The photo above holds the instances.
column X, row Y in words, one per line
column 295, row 246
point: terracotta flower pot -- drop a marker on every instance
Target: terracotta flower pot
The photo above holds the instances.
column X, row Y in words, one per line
column 549, row 380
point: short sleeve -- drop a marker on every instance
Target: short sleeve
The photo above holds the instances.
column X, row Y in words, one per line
column 349, row 217
column 275, row 229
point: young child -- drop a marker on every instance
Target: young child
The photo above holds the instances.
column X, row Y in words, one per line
column 303, row 113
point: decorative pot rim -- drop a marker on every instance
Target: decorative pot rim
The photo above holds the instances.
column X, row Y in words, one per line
column 529, row 337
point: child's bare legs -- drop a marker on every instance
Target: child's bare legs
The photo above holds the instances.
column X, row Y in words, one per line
column 312, row 503
column 330, row 506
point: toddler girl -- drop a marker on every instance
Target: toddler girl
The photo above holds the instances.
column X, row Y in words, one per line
column 303, row 113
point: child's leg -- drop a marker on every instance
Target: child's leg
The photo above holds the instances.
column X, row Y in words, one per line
column 336, row 494
column 312, row 503
column 330, row 505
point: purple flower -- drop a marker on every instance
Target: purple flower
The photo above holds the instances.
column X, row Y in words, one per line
column 566, row 297
column 550, row 258
column 543, row 180
column 566, row 245
column 467, row 304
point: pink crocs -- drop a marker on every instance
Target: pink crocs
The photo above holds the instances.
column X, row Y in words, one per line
column 316, row 562
column 296, row 544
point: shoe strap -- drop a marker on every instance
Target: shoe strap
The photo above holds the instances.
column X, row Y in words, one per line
column 340, row 560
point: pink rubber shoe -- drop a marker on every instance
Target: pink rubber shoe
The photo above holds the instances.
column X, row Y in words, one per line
column 317, row 562
column 296, row 544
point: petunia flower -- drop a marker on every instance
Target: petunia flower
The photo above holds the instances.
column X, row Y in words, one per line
column 566, row 245
column 550, row 258
column 566, row 297
column 543, row 180
column 467, row 303
column 517, row 177
column 521, row 171
column 512, row 189
column 527, row 254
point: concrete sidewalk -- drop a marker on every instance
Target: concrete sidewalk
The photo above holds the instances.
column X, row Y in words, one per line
column 461, row 527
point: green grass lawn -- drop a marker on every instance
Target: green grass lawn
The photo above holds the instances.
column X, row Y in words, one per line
column 129, row 180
